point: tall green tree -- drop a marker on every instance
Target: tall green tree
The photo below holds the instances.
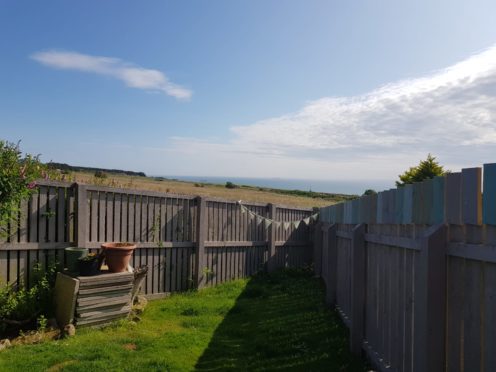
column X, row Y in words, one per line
column 426, row 169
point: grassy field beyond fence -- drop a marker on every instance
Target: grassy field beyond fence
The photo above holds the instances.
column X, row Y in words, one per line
column 276, row 322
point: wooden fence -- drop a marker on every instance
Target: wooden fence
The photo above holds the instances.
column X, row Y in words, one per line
column 186, row 241
column 412, row 271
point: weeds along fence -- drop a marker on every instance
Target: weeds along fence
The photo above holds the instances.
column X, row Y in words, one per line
column 412, row 271
column 186, row 241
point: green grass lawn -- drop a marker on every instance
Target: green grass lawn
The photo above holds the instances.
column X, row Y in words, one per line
column 276, row 322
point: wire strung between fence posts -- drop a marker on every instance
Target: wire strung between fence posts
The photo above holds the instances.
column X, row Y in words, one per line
column 285, row 224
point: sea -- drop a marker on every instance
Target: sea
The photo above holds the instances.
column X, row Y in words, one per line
column 355, row 187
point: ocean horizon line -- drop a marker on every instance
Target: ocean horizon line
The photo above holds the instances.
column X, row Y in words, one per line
column 350, row 187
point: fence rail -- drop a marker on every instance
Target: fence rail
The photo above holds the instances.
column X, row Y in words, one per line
column 186, row 241
column 412, row 272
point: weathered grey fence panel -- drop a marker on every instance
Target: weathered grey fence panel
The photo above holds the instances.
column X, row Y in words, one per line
column 430, row 298
column 169, row 230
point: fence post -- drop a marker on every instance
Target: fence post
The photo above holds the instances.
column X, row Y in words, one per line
column 332, row 265
column 317, row 249
column 81, row 215
column 430, row 301
column 358, row 275
column 271, row 265
column 201, row 234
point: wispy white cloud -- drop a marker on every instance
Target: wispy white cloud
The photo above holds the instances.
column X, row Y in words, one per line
column 455, row 105
column 450, row 113
column 133, row 76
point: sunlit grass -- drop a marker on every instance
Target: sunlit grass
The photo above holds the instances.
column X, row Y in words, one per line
column 266, row 323
column 247, row 194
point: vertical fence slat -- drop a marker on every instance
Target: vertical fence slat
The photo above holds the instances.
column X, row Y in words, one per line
column 271, row 265
column 455, row 289
column 398, row 210
column 33, row 217
column 438, row 201
column 454, row 196
column 417, row 203
column 102, row 216
column 358, row 260
column 163, row 220
column 109, row 218
column 332, row 265
column 380, row 208
column 489, row 303
column 51, row 214
column 471, row 196
column 117, row 217
column 430, row 297
column 42, row 214
column 4, row 262
column 489, row 199
column 23, row 221
column 407, row 204
column 61, row 214
column 144, row 218
column 201, row 230
column 131, row 219
column 81, row 213
column 472, row 351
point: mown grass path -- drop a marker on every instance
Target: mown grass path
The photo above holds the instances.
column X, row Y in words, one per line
column 276, row 322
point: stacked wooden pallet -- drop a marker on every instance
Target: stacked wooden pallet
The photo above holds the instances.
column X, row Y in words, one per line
column 103, row 298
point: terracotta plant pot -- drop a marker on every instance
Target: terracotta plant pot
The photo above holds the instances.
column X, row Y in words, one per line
column 117, row 255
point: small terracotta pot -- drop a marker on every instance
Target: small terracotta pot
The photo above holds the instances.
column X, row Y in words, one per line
column 117, row 255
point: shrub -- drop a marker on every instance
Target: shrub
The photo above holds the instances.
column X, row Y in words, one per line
column 18, row 175
column 20, row 308
column 428, row 168
column 100, row 174
column 230, row 185
column 369, row 192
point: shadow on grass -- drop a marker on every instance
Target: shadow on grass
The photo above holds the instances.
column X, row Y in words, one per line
column 280, row 322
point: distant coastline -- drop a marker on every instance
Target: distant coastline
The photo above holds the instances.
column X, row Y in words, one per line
column 348, row 187
column 328, row 186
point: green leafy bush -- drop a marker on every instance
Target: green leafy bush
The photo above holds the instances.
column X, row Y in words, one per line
column 100, row 174
column 22, row 307
column 369, row 192
column 230, row 185
column 18, row 175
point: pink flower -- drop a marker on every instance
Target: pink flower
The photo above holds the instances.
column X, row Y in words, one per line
column 31, row 185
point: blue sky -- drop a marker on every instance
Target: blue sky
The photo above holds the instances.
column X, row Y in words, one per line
column 295, row 89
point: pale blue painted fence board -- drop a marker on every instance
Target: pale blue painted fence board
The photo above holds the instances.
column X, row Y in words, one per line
column 380, row 202
column 372, row 214
column 426, row 201
column 355, row 204
column 398, row 210
column 407, row 204
column 340, row 213
column 437, row 206
column 417, row 203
